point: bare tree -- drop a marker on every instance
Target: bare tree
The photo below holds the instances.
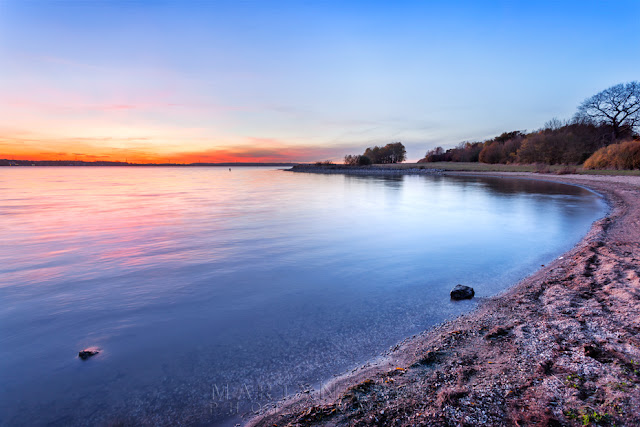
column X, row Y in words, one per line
column 553, row 124
column 617, row 106
column 351, row 160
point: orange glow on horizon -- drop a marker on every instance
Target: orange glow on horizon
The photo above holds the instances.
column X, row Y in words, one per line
column 144, row 158
column 232, row 154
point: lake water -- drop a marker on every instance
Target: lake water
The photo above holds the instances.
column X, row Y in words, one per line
column 211, row 292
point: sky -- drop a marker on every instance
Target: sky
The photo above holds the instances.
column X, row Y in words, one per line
column 220, row 81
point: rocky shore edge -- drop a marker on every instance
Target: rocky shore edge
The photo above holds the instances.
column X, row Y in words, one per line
column 364, row 170
column 562, row 347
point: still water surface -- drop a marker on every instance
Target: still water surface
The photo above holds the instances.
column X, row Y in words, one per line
column 212, row 292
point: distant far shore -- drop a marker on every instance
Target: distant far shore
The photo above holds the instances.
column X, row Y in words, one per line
column 561, row 347
column 447, row 167
column 6, row 162
column 365, row 170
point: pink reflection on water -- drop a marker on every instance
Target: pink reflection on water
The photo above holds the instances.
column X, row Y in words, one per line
column 76, row 222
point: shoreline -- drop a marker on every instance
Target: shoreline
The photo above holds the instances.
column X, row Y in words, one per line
column 560, row 347
column 363, row 170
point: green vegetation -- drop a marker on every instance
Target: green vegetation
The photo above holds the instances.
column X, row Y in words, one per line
column 588, row 416
column 572, row 415
column 595, row 417
column 574, row 380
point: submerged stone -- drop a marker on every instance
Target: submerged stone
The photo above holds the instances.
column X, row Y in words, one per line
column 85, row 354
column 462, row 292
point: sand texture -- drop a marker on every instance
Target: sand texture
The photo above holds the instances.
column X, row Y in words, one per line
column 561, row 347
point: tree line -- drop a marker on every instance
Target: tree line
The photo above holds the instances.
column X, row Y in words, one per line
column 602, row 133
column 606, row 119
column 555, row 143
column 390, row 153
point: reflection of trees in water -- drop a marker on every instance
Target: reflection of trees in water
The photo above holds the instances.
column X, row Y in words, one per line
column 391, row 181
column 392, row 185
column 497, row 185
column 570, row 199
column 509, row 186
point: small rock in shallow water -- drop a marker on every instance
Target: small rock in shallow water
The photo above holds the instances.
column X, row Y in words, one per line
column 85, row 354
column 462, row 292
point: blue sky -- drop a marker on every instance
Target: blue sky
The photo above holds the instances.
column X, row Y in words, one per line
column 301, row 81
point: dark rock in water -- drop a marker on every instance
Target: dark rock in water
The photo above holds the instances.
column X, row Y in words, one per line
column 85, row 354
column 462, row 292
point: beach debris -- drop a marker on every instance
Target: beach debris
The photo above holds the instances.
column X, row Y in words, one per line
column 462, row 292
column 87, row 353
column 429, row 358
column 497, row 332
column 364, row 386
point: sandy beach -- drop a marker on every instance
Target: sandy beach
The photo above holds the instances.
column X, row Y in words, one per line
column 561, row 347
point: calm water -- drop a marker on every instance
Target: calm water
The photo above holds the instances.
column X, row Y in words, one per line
column 210, row 292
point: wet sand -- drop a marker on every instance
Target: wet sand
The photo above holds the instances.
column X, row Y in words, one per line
column 562, row 347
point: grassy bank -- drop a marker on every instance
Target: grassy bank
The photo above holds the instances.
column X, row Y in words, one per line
column 485, row 167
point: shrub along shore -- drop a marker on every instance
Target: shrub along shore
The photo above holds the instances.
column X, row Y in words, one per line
column 561, row 347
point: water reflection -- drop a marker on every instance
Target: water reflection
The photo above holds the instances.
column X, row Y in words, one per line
column 504, row 185
column 191, row 278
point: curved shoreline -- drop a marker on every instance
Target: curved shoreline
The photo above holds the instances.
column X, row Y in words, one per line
column 561, row 347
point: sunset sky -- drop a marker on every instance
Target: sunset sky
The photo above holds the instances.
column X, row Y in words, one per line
column 191, row 81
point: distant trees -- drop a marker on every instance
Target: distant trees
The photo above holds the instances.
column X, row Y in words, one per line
column 556, row 143
column 467, row 152
column 492, row 153
column 464, row 152
column 351, row 160
column 390, row 153
column 435, row 155
column 606, row 118
column 603, row 120
column 356, row 160
column 502, row 149
column 571, row 143
column 364, row 161
column 547, row 147
column 617, row 106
